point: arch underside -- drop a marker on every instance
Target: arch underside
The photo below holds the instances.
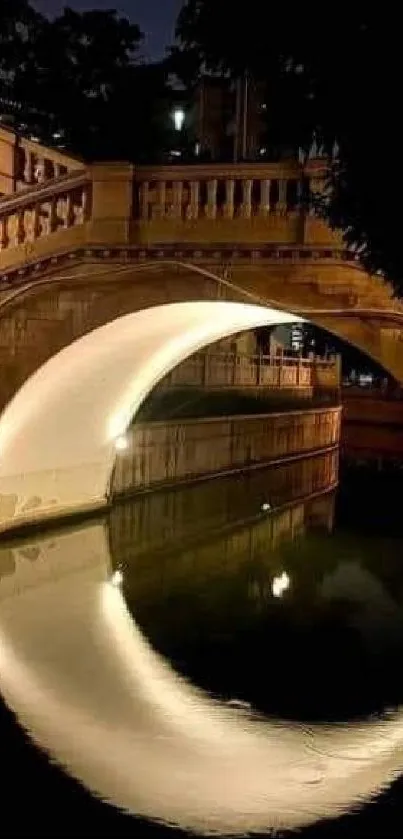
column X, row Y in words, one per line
column 42, row 317
column 87, row 349
column 58, row 435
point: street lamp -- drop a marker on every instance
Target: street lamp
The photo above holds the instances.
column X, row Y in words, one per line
column 178, row 118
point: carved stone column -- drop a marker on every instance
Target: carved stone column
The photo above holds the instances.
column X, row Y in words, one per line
column 211, row 209
column 247, row 199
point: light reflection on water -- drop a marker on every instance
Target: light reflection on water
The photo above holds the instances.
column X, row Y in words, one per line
column 176, row 714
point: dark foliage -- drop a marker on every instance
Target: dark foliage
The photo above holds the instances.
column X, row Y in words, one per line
column 332, row 74
column 80, row 78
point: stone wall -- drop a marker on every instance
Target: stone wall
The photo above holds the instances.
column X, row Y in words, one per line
column 167, row 452
column 372, row 427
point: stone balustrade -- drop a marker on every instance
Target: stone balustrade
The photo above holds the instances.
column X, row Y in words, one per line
column 190, row 193
column 32, row 215
column 270, row 201
column 238, row 370
column 25, row 162
column 37, row 164
column 257, row 204
column 224, row 191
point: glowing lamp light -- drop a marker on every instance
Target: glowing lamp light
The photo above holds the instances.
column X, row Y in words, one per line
column 280, row 584
column 121, row 443
column 266, row 507
column 178, row 118
column 117, row 578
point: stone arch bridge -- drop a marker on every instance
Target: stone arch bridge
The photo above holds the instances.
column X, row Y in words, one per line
column 84, row 247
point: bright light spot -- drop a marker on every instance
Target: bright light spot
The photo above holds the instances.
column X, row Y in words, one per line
column 266, row 507
column 117, row 578
column 121, row 443
column 178, row 118
column 280, row 584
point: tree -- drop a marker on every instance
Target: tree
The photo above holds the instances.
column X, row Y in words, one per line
column 79, row 78
column 81, row 65
column 336, row 79
column 18, row 31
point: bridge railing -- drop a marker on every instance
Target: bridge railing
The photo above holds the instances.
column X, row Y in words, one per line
column 226, row 370
column 26, row 162
column 118, row 204
column 37, row 164
column 216, row 191
column 234, row 202
column 29, row 217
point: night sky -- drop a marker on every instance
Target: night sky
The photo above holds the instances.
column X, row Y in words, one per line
column 156, row 18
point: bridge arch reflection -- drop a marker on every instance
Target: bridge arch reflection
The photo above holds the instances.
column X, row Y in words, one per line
column 90, row 689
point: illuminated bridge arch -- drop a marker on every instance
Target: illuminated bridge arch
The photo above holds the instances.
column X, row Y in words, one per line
column 58, row 436
column 95, row 344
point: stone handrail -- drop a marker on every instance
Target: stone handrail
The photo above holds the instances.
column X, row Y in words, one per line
column 222, row 190
column 38, row 163
column 29, row 217
column 228, row 370
column 26, row 162
column 247, row 204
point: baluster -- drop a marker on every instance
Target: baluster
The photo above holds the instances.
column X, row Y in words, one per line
column 66, row 210
column 3, row 233
column 52, row 221
column 177, row 199
column 264, row 208
column 192, row 211
column 86, row 203
column 32, row 224
column 281, row 208
column 28, row 168
column 81, row 211
column 229, row 198
column 144, row 200
column 15, row 228
column 247, row 198
column 40, row 171
column 160, row 209
column 211, row 208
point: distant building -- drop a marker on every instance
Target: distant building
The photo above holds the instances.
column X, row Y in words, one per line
column 227, row 119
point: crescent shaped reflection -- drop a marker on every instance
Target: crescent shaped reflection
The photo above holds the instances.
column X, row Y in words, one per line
column 88, row 687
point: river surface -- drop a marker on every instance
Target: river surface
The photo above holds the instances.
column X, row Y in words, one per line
column 212, row 662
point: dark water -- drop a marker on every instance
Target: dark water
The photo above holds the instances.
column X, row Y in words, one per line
column 291, row 610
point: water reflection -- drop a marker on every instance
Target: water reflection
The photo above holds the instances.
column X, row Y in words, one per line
column 276, row 609
column 208, row 701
